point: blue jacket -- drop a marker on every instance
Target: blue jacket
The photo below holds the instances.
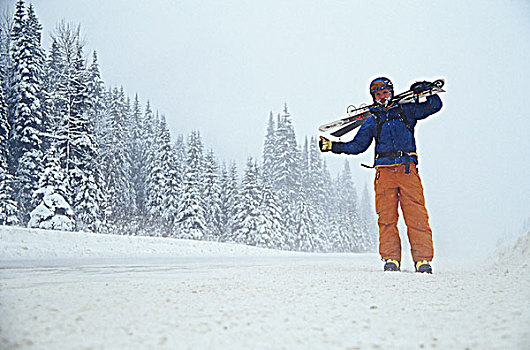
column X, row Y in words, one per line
column 395, row 135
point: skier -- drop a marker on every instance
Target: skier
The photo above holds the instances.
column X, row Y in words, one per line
column 396, row 180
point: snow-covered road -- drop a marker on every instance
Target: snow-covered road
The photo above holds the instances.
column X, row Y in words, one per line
column 250, row 298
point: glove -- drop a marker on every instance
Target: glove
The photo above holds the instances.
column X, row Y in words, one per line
column 421, row 86
column 325, row 144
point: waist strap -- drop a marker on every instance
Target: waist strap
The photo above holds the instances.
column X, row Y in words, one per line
column 394, row 155
column 397, row 154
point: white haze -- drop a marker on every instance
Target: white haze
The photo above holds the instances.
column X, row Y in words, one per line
column 222, row 66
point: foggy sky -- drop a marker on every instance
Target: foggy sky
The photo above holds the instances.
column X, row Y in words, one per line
column 222, row 66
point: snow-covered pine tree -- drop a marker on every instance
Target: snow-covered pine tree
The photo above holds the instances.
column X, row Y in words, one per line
column 34, row 28
column 18, row 20
column 155, row 177
column 334, row 213
column 147, row 135
column 270, row 232
column 306, row 230
column 136, row 130
column 96, row 93
column 126, row 113
column 229, row 200
column 83, row 174
column 212, row 197
column 349, row 237
column 116, row 169
column 180, row 156
column 53, row 211
column 287, row 173
column 179, row 166
column 54, row 68
column 25, row 106
column 269, row 151
column 72, row 94
column 163, row 190
column 8, row 206
column 317, row 194
column 247, row 219
column 172, row 195
column 88, row 196
column 191, row 221
column 6, row 59
column 171, row 181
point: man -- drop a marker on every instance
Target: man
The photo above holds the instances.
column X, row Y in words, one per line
column 396, row 180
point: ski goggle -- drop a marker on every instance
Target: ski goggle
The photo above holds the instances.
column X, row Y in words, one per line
column 378, row 85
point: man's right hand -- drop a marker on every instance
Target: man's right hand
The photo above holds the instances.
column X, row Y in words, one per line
column 325, row 144
column 421, row 86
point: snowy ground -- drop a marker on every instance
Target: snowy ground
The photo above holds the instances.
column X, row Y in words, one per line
column 84, row 291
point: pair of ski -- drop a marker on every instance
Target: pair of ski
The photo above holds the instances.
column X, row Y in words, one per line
column 357, row 116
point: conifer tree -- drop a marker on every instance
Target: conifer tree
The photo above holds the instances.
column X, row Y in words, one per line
column 137, row 141
column 8, row 206
column 329, row 201
column 26, row 118
column 287, row 174
column 306, row 232
column 269, row 151
column 229, row 199
column 172, row 196
column 191, row 221
column 246, row 222
column 318, row 197
column 52, row 77
column 155, row 174
column 129, row 144
column 163, row 182
column 96, row 92
column 171, row 184
column 180, row 156
column 305, row 238
column 270, row 232
column 18, row 20
column 348, row 236
column 212, row 196
column 84, row 175
column 5, row 57
column 53, row 211
column 316, row 180
column 116, row 169
column 146, row 143
column 75, row 93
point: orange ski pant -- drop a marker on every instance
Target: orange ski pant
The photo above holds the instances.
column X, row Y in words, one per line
column 392, row 187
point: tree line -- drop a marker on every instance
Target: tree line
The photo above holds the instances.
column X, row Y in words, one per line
column 76, row 155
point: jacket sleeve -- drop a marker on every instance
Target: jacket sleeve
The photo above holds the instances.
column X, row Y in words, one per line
column 360, row 142
column 425, row 109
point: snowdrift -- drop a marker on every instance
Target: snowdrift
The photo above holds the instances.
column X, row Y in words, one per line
column 17, row 243
column 514, row 256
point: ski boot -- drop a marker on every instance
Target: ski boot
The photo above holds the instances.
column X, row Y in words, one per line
column 423, row 266
column 391, row 265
